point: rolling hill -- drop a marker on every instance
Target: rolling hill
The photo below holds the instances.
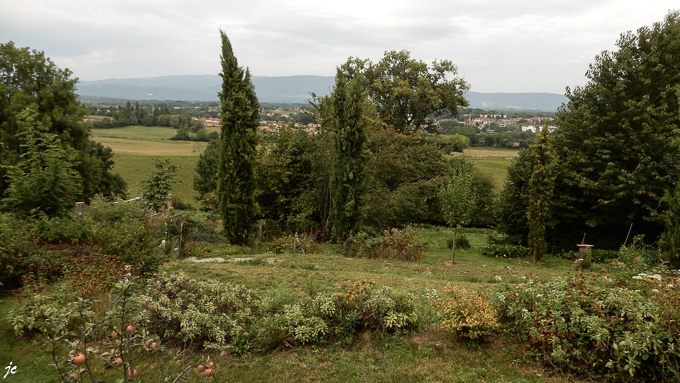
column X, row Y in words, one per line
column 288, row 89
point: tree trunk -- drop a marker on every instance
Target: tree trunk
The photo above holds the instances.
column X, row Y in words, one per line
column 453, row 246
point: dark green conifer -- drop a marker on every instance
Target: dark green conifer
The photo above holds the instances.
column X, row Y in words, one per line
column 235, row 186
column 541, row 187
column 348, row 175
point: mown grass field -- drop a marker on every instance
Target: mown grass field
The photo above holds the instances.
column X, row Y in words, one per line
column 426, row 356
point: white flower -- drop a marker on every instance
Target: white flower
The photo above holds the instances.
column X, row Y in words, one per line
column 539, row 295
column 501, row 297
column 524, row 277
column 498, row 278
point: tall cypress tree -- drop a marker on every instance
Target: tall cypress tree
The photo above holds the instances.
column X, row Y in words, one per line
column 348, row 176
column 235, row 185
column 541, row 187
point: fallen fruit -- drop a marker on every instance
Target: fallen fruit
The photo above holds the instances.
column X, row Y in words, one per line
column 209, row 372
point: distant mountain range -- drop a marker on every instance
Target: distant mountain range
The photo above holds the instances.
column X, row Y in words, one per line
column 289, row 89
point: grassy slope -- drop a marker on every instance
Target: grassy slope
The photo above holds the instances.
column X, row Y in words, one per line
column 428, row 356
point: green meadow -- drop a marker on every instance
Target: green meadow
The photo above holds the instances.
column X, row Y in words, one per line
column 136, row 147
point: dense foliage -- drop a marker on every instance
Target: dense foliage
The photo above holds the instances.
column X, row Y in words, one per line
column 236, row 179
column 348, row 175
column 44, row 247
column 403, row 245
column 31, row 83
column 407, row 92
column 541, row 186
column 616, row 147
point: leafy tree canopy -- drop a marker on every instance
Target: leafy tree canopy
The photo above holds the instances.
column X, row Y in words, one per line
column 616, row 147
column 29, row 80
column 407, row 92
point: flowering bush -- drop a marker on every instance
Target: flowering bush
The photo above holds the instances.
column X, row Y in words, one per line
column 467, row 313
column 394, row 244
column 594, row 325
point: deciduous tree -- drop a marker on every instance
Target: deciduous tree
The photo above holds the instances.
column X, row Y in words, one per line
column 618, row 138
column 28, row 79
column 406, row 91
column 457, row 201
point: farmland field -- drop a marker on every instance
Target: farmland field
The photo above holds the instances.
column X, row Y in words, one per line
column 135, row 148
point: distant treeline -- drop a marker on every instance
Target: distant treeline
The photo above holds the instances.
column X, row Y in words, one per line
column 492, row 136
column 118, row 116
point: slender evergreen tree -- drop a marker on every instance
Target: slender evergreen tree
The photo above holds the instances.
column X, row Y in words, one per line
column 673, row 225
column 348, row 177
column 541, row 187
column 236, row 182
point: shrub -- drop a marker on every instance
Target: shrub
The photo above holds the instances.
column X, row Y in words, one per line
column 505, row 251
column 598, row 255
column 22, row 253
column 596, row 326
column 198, row 312
column 395, row 244
column 467, row 313
column 132, row 241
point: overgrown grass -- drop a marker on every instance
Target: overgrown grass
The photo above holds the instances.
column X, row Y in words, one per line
column 428, row 356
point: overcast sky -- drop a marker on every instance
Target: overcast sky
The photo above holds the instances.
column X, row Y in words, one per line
column 498, row 45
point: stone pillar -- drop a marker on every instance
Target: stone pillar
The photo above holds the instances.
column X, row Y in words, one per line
column 79, row 209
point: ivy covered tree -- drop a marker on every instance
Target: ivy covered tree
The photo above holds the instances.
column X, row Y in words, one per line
column 541, row 186
column 406, row 92
column 28, row 79
column 348, row 177
column 235, row 176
